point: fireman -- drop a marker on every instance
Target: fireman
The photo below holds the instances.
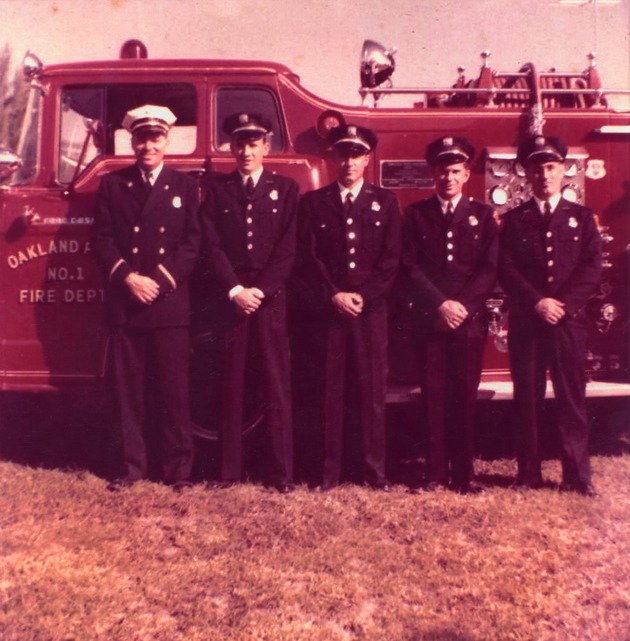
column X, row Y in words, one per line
column 350, row 242
column 249, row 228
column 449, row 263
column 146, row 238
column 550, row 265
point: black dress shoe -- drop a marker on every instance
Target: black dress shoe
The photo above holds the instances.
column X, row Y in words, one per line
column 471, row 488
column 284, row 488
column 326, row 486
column 522, row 486
column 381, row 486
column 180, row 486
column 583, row 489
column 220, row 485
column 433, row 486
column 120, row 483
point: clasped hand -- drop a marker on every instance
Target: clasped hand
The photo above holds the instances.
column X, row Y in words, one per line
column 451, row 314
column 248, row 300
column 348, row 304
column 550, row 310
column 143, row 288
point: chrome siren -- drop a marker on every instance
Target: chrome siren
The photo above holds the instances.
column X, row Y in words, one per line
column 377, row 64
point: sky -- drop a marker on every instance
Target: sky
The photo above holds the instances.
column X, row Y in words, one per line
column 321, row 41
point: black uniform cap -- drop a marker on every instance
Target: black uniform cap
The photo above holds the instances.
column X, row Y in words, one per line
column 450, row 150
column 541, row 149
column 353, row 138
column 244, row 124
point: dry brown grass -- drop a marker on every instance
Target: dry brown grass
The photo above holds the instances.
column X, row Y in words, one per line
column 82, row 564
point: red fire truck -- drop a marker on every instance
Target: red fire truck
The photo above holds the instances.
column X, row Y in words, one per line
column 51, row 295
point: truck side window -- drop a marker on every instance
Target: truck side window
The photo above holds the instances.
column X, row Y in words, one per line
column 256, row 100
column 92, row 115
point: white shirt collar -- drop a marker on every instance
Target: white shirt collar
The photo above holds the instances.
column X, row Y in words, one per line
column 553, row 202
column 255, row 176
column 154, row 172
column 444, row 203
column 354, row 191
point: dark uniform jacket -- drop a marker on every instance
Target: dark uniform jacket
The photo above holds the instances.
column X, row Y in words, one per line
column 251, row 243
column 155, row 234
column 330, row 264
column 458, row 263
column 561, row 260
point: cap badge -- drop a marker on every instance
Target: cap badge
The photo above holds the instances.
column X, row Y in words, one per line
column 352, row 131
column 243, row 119
column 447, row 142
column 539, row 141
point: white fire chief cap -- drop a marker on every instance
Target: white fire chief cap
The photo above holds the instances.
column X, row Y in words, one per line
column 152, row 117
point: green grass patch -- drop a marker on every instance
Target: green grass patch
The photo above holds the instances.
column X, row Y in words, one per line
column 82, row 564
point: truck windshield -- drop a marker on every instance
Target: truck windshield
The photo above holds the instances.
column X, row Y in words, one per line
column 91, row 121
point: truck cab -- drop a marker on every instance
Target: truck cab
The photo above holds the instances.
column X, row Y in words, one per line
column 51, row 294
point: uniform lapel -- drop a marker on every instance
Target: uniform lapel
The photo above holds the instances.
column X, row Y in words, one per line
column 561, row 215
column 332, row 196
column 136, row 186
column 530, row 216
column 363, row 200
column 434, row 211
column 264, row 186
column 234, row 186
column 461, row 211
column 160, row 191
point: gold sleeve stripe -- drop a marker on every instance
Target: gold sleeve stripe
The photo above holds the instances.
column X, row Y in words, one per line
column 168, row 275
column 115, row 267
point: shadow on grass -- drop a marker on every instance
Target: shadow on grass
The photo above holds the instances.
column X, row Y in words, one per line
column 440, row 634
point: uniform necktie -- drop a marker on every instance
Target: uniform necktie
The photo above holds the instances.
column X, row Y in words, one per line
column 450, row 213
column 249, row 187
column 347, row 205
column 148, row 179
column 547, row 211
